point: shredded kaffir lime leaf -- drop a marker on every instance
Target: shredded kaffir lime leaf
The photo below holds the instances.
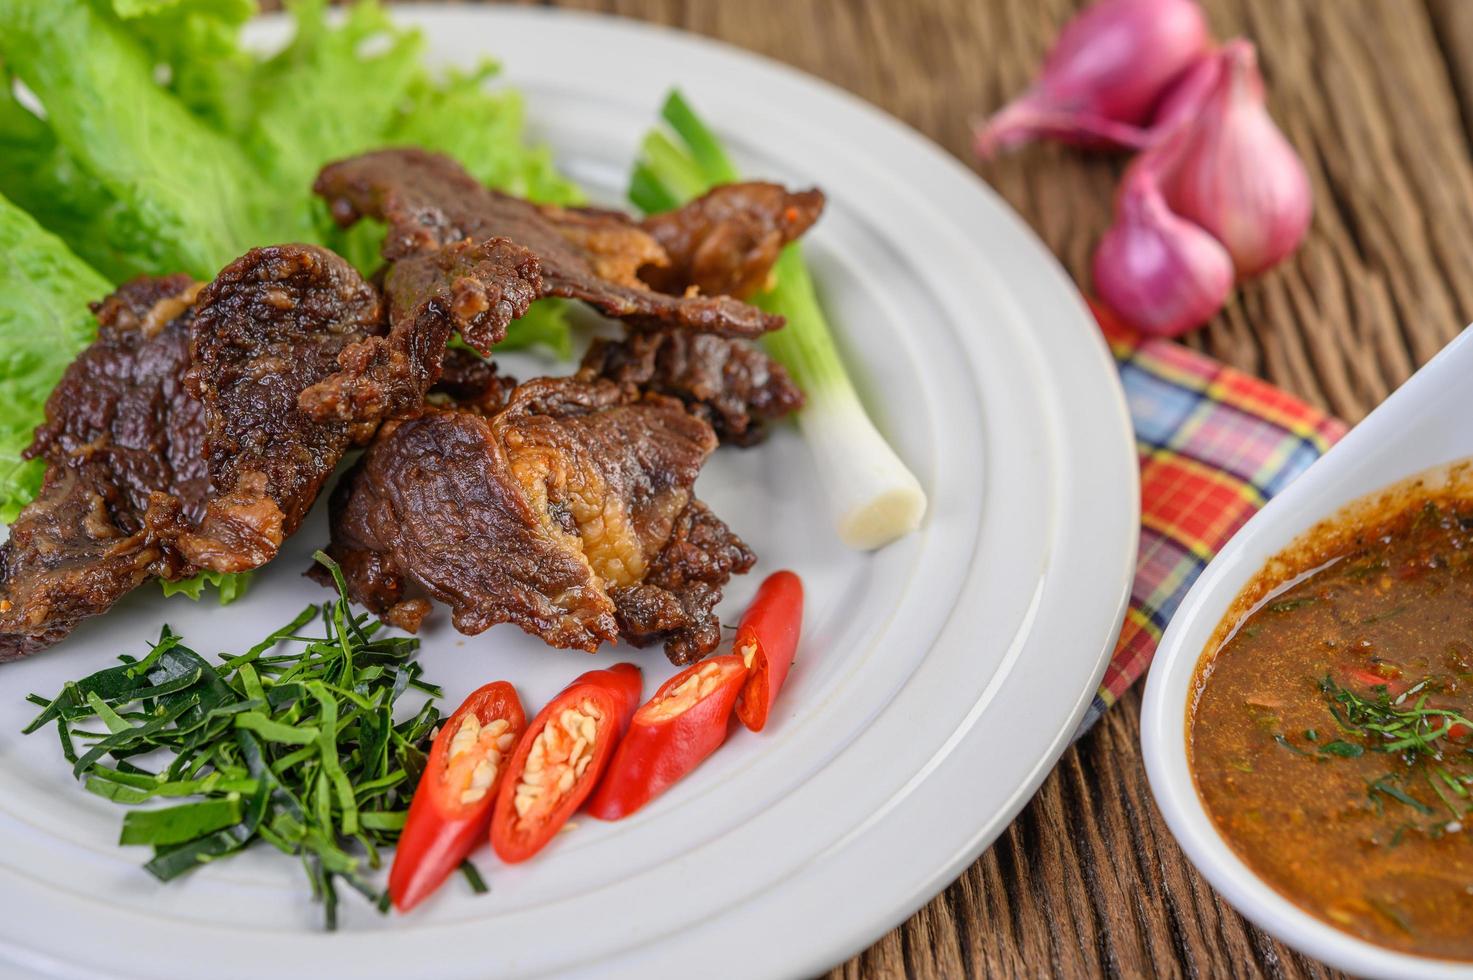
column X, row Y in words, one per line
column 1405, row 724
column 292, row 743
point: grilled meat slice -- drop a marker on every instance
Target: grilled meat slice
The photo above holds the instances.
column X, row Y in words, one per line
column 725, row 242
column 174, row 441
column 476, row 289
column 732, row 384
column 429, row 201
column 542, row 515
column 676, row 600
column 472, row 383
column 273, row 323
column 123, row 444
column 433, row 508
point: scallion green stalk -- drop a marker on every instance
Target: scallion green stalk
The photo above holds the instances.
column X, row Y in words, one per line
column 873, row 497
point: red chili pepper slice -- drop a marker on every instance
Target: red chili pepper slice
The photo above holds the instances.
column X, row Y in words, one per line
column 566, row 748
column 1457, row 731
column 1371, row 678
column 452, row 805
column 767, row 640
column 670, row 735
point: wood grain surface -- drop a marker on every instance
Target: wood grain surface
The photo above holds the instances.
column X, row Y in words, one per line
column 1378, row 97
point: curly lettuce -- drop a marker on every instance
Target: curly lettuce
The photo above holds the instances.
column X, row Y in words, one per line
column 228, row 586
column 189, row 198
column 44, row 322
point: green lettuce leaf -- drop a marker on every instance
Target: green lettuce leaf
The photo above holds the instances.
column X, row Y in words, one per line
column 44, row 321
column 545, row 325
column 190, row 199
column 198, row 44
column 228, row 586
column 331, row 93
column 41, row 177
column 484, row 129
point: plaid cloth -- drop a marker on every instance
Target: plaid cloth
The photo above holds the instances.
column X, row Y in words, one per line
column 1214, row 445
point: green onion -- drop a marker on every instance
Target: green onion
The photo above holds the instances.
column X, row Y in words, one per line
column 296, row 748
column 873, row 498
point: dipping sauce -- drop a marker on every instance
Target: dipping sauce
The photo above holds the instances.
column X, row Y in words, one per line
column 1329, row 733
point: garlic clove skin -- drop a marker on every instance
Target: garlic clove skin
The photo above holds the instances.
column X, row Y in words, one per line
column 1103, row 76
column 1160, row 273
column 1231, row 170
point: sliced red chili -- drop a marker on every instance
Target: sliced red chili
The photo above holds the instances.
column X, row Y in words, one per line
column 767, row 640
column 1384, row 675
column 671, row 734
column 1387, row 677
column 452, row 804
column 558, row 762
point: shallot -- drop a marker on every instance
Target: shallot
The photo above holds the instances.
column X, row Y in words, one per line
column 1183, row 100
column 1103, row 77
column 1159, row 272
column 1232, row 171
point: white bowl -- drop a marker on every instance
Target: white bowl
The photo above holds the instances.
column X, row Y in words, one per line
column 1426, row 424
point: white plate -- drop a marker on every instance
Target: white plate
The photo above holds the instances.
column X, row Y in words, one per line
column 1421, row 428
column 937, row 681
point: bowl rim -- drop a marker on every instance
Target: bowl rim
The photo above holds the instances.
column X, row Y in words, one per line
column 1168, row 684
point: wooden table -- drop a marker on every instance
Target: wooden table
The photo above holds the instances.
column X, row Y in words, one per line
column 1378, row 97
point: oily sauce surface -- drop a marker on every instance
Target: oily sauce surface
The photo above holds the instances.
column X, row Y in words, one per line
column 1327, row 737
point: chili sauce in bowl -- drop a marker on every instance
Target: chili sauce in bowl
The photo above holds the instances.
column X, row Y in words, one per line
column 1328, row 731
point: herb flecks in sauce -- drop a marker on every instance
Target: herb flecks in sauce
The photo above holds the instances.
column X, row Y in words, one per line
column 1331, row 739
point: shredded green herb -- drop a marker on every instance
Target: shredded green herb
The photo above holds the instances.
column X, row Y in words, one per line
column 292, row 742
column 1391, row 724
column 1290, row 745
column 1388, row 787
column 1407, row 727
column 473, row 877
column 1289, row 605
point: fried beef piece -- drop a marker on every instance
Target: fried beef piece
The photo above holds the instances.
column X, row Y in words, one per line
column 174, row 441
column 569, row 513
column 429, row 201
column 730, row 383
column 472, row 383
column 434, row 508
column 476, row 289
column 676, row 601
column 123, row 444
column 724, row 243
column 272, row 324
